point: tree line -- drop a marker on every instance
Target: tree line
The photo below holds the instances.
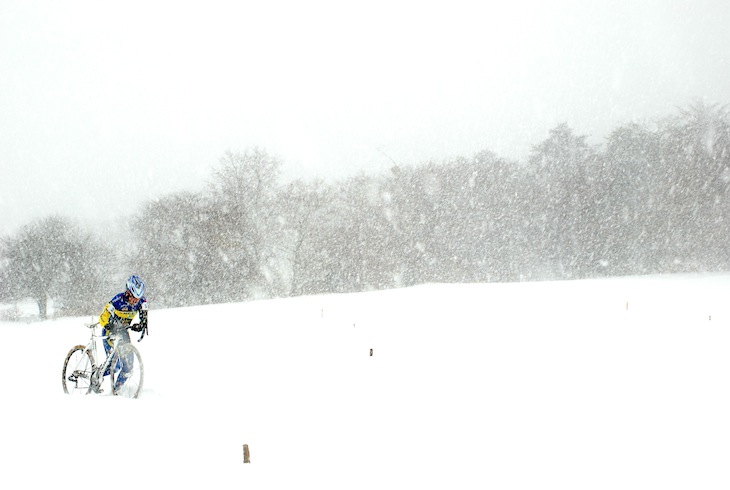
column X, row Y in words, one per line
column 652, row 199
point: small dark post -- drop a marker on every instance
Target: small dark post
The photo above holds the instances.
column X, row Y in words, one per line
column 371, row 352
column 246, row 455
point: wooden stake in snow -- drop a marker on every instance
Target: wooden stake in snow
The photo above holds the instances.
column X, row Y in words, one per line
column 246, row 455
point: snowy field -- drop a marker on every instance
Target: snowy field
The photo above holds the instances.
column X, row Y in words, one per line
column 605, row 384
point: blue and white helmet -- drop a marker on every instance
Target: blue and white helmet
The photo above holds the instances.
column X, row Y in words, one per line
column 136, row 286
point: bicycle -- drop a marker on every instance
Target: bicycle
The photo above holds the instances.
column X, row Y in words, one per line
column 82, row 376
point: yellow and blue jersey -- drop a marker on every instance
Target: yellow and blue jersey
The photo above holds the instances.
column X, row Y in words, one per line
column 123, row 310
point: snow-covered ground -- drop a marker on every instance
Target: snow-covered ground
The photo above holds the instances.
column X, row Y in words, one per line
column 616, row 383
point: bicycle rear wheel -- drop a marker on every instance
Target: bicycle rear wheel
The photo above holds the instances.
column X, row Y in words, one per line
column 127, row 374
column 77, row 371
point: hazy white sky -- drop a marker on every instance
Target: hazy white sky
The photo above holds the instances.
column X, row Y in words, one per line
column 105, row 105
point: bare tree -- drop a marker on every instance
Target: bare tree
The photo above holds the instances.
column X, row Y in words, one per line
column 53, row 259
column 247, row 228
column 304, row 211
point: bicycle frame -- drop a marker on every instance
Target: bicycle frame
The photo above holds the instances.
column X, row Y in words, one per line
column 92, row 347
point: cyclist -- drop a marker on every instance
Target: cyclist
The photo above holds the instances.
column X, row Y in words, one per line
column 117, row 318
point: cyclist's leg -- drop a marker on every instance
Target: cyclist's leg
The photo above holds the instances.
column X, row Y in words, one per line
column 125, row 364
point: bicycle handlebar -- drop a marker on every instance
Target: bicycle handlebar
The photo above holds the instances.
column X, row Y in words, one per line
column 94, row 325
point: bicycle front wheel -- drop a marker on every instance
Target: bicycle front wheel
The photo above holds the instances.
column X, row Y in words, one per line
column 127, row 373
column 77, row 371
